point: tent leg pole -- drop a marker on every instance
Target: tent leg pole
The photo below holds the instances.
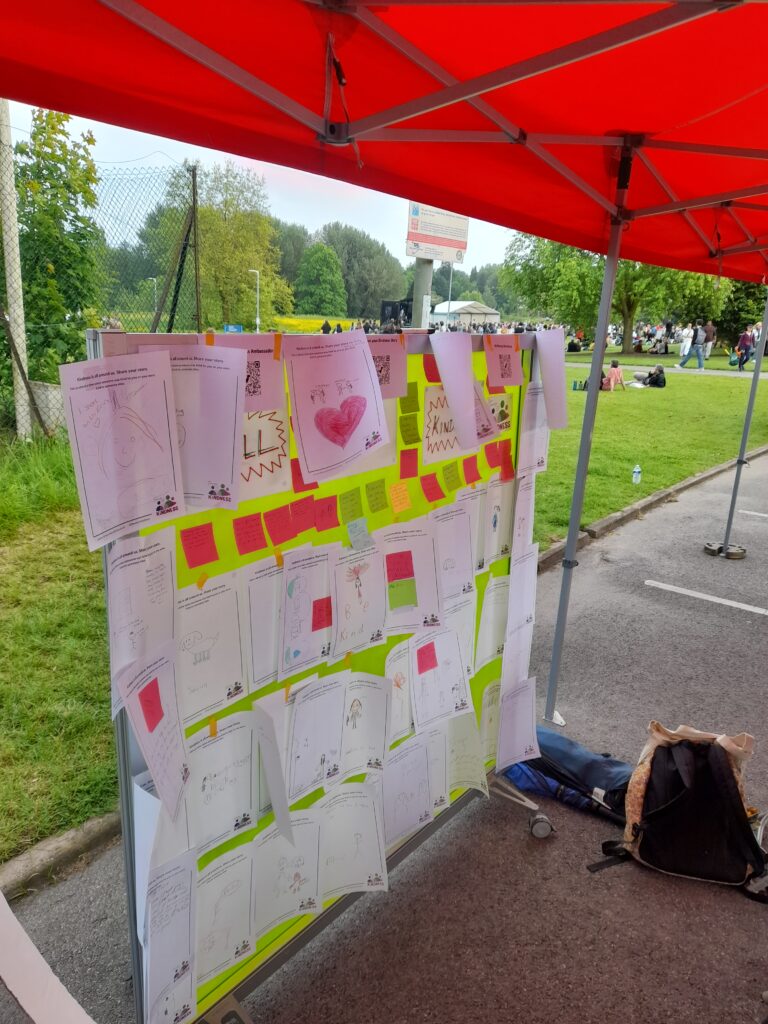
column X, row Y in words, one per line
column 579, row 485
column 725, row 548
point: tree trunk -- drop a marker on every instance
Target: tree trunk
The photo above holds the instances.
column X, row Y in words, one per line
column 627, row 344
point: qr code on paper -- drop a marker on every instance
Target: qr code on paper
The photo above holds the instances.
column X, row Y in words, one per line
column 253, row 378
column 382, row 368
column 505, row 365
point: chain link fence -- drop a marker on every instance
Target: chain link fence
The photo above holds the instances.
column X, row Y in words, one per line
column 142, row 275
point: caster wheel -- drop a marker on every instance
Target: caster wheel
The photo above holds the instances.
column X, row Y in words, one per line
column 540, row 826
column 735, row 551
column 712, row 548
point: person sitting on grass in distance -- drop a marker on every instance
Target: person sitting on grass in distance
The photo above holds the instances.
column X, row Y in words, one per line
column 613, row 378
column 654, row 379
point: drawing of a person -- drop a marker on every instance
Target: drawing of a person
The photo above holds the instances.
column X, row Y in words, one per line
column 495, row 517
column 355, row 712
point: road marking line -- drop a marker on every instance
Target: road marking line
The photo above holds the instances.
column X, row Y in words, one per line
column 707, row 597
column 746, row 512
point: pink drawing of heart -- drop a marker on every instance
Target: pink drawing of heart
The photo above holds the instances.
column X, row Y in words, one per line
column 338, row 425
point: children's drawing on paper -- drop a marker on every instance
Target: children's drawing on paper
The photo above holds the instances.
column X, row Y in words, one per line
column 352, row 854
column 406, row 792
column 498, row 527
column 306, row 617
column 453, row 534
column 224, row 932
column 265, row 466
column 397, row 668
column 441, row 439
column 466, row 769
column 439, row 687
column 354, row 576
column 358, row 599
column 411, row 565
column 315, row 737
column 286, row 875
column 170, row 916
column 355, row 712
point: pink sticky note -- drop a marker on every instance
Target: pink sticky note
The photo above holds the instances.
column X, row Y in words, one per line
column 505, row 459
column 280, row 525
column 492, row 454
column 431, row 487
column 151, row 705
column 303, row 514
column 399, row 566
column 409, row 463
column 431, row 371
column 297, row 480
column 199, row 545
column 426, row 658
column 249, row 533
column 322, row 614
column 326, row 516
column 471, row 472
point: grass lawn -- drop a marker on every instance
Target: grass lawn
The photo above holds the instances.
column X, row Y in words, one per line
column 718, row 360
column 57, row 764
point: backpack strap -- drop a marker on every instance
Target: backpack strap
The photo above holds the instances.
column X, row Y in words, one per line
column 748, row 845
column 614, row 853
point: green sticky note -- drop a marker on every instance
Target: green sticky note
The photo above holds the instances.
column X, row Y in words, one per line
column 409, row 429
column 410, row 400
column 351, row 505
column 451, row 476
column 376, row 493
column 402, row 594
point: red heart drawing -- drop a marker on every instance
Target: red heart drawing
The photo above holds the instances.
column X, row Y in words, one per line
column 338, row 425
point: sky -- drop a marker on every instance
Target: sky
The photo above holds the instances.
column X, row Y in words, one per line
column 293, row 195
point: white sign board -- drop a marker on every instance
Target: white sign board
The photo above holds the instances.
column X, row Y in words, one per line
column 436, row 234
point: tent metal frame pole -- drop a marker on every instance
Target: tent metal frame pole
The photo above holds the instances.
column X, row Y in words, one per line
column 741, row 461
column 580, row 482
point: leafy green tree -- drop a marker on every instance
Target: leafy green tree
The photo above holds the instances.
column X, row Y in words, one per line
column 59, row 240
column 292, row 240
column 471, row 295
column 743, row 306
column 370, row 272
column 319, row 283
column 441, row 282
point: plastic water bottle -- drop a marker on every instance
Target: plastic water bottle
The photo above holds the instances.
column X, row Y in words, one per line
column 636, row 475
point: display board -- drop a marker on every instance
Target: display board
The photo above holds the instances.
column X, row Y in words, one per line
column 302, row 663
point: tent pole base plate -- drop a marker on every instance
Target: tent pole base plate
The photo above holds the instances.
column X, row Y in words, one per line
column 556, row 719
column 735, row 552
column 713, row 548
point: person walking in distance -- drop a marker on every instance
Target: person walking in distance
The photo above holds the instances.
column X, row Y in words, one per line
column 697, row 348
column 744, row 347
column 685, row 341
column 710, row 333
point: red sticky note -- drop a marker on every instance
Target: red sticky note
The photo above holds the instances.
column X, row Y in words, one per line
column 491, row 389
column 151, row 705
column 303, row 514
column 471, row 472
column 199, row 545
column 322, row 614
column 399, row 566
column 280, row 525
column 409, row 463
column 431, row 371
column 426, row 658
column 249, row 533
column 505, row 459
column 297, row 480
column 326, row 516
column 431, row 487
column 492, row 454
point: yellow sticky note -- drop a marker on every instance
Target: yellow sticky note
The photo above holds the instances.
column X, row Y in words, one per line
column 209, row 340
column 287, row 692
column 348, row 658
column 213, row 727
column 400, row 496
column 279, row 557
column 277, row 350
column 202, row 579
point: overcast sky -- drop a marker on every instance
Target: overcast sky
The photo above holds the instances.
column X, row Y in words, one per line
column 293, row 195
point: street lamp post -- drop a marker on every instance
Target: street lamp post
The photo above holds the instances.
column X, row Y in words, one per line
column 258, row 298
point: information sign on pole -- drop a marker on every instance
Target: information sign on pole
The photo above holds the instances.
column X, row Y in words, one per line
column 233, row 328
column 436, row 234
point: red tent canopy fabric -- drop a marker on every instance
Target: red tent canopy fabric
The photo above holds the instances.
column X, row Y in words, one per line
column 513, row 112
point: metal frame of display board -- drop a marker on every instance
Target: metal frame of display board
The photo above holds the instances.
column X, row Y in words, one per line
column 130, row 763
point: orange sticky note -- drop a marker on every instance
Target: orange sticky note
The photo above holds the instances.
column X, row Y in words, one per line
column 516, row 343
column 348, row 655
column 279, row 557
column 400, row 497
column 489, row 340
column 213, row 727
column 209, row 338
column 277, row 350
column 402, row 339
column 202, row 579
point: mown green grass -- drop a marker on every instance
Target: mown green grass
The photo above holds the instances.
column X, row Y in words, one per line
column 57, row 764
column 718, row 360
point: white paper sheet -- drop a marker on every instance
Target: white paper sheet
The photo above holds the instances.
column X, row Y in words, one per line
column 264, row 451
column 224, row 913
column 523, row 517
column 286, row 879
column 453, row 353
column 120, row 421
column 502, row 360
column 517, row 723
column 534, row 436
column 210, row 646
column 209, row 393
column 305, row 610
column 405, row 789
column 270, row 716
column 550, row 350
column 170, row 965
column 398, row 668
column 391, row 361
column 146, row 810
column 441, row 439
column 439, row 788
column 439, row 686
column 517, row 654
column 498, row 519
column 263, row 582
column 366, row 723
column 474, row 499
column 352, row 855
column 172, row 838
column 264, row 378
column 358, row 593
column 384, row 454
column 410, row 566
column 336, row 402
column 224, row 785
column 452, row 528
column 489, row 721
column 460, row 616
column 522, row 589
column 466, row 768
column 149, row 696
column 493, row 622
column 141, row 577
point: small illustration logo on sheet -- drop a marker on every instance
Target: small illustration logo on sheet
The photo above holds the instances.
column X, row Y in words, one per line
column 375, row 880
column 310, row 903
column 431, row 620
column 243, row 947
column 182, row 1014
column 372, row 440
column 220, row 493
column 181, row 970
column 234, row 691
column 374, row 762
column 243, row 821
column 164, row 506
column 185, row 773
